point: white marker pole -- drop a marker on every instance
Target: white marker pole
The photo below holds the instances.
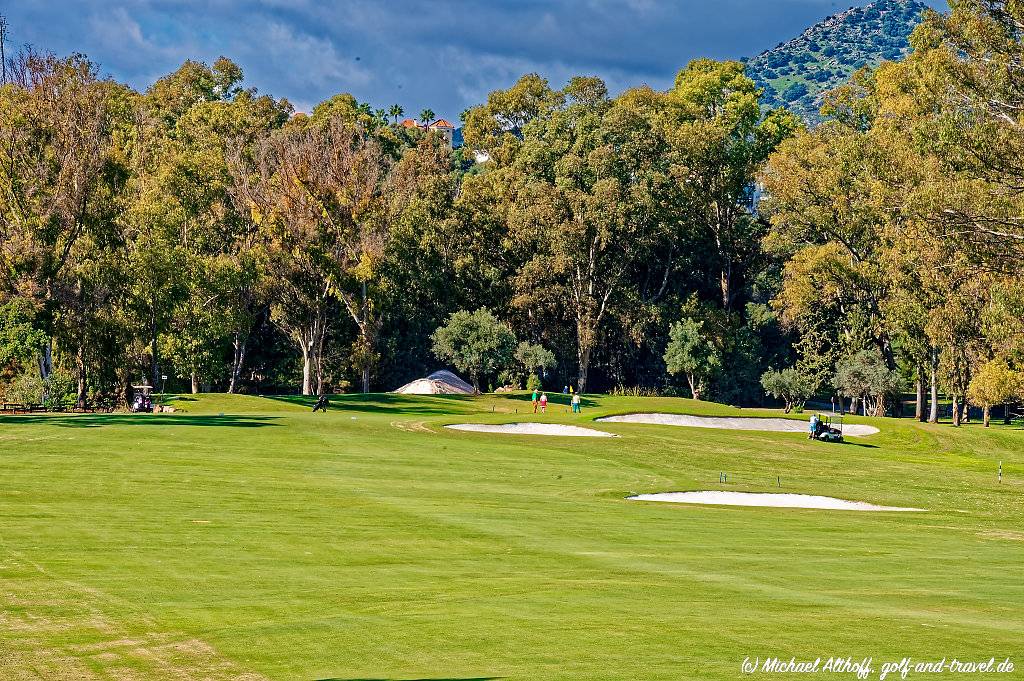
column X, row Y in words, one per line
column 1000, row 472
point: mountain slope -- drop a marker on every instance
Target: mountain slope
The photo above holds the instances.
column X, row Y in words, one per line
column 798, row 73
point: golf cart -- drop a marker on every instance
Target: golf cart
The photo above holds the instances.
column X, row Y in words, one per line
column 142, row 398
column 829, row 428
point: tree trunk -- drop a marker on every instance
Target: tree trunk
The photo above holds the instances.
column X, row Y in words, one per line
column 307, row 370
column 80, row 398
column 967, row 412
column 956, row 410
column 727, row 285
column 987, row 415
column 933, row 412
column 154, row 353
column 319, row 364
column 46, row 360
column 919, row 403
column 367, row 347
column 195, row 383
column 1006, row 414
column 853, row 405
column 584, row 359
column 695, row 387
column 239, row 361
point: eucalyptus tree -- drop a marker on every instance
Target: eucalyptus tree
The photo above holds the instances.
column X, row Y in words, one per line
column 722, row 139
column 319, row 190
column 581, row 181
column 61, row 170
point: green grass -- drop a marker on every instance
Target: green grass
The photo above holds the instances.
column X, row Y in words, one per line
column 246, row 537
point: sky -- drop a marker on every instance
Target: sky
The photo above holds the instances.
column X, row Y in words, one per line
column 445, row 55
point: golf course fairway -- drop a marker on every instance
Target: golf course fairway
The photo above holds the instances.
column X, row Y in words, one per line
column 248, row 538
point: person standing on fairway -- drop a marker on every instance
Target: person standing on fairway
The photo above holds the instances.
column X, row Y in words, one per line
column 534, row 399
column 544, row 403
column 576, row 403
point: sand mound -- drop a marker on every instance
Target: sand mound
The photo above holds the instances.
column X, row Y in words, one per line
column 769, row 500
column 531, row 429
column 732, row 423
column 437, row 383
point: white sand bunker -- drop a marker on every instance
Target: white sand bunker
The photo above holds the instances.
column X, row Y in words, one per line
column 770, row 500
column 531, row 429
column 732, row 423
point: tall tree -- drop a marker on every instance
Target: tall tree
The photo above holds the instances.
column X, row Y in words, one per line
column 723, row 140
column 319, row 191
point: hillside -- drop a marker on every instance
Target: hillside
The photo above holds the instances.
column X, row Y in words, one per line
column 798, row 73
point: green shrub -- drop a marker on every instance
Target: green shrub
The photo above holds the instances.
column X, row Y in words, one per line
column 27, row 387
column 61, row 389
column 533, row 382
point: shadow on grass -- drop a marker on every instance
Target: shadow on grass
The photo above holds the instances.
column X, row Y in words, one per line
column 101, row 420
column 384, row 403
column 553, row 398
column 858, row 444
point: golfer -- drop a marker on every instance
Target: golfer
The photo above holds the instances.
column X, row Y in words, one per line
column 576, row 403
column 543, row 403
column 814, row 426
column 534, row 399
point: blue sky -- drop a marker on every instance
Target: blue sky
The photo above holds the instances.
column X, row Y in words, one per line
column 442, row 54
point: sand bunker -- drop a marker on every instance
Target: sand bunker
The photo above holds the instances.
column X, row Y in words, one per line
column 437, row 383
column 530, row 429
column 732, row 423
column 771, row 500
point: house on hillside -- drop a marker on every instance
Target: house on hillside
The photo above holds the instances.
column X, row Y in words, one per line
column 440, row 126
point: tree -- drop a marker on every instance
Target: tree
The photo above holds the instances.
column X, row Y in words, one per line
column 723, row 139
column 319, row 191
column 995, row 383
column 534, row 358
column 863, row 376
column 426, row 116
column 582, row 214
column 691, row 353
column 789, row 385
column 396, row 112
column 20, row 340
column 476, row 343
column 3, row 50
column 58, row 124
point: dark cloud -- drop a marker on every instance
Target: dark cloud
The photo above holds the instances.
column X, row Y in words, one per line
column 443, row 54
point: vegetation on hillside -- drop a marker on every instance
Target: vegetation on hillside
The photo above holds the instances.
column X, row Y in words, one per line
column 797, row 74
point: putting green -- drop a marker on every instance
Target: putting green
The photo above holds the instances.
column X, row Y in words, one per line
column 372, row 543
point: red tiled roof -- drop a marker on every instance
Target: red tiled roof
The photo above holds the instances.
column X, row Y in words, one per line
column 410, row 123
column 441, row 123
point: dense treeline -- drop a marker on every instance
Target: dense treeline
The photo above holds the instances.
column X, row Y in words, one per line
column 686, row 240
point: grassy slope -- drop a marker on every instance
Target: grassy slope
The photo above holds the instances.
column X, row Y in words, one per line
column 367, row 543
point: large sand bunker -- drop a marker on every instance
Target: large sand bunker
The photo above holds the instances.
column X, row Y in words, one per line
column 531, row 429
column 732, row 423
column 437, row 383
column 769, row 500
